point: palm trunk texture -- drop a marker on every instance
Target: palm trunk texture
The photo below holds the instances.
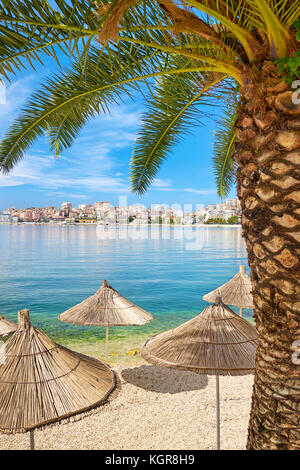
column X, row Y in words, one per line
column 268, row 157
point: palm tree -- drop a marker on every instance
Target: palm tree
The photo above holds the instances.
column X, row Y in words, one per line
column 185, row 56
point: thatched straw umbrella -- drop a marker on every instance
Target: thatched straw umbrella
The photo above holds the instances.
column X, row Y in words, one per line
column 7, row 327
column 216, row 342
column 106, row 308
column 42, row 382
column 236, row 292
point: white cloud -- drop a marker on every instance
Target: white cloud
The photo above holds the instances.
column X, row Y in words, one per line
column 90, row 165
column 69, row 195
column 200, row 191
column 162, row 185
column 31, row 170
column 120, row 115
column 16, row 93
column 53, row 173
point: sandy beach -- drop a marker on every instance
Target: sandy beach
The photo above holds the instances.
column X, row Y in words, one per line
column 156, row 408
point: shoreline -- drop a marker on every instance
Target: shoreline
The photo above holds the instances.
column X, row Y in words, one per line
column 122, row 351
column 88, row 224
column 124, row 342
column 124, row 346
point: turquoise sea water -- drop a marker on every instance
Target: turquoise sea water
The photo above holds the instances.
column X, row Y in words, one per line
column 166, row 271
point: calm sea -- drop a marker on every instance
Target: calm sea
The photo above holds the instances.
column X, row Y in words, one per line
column 165, row 271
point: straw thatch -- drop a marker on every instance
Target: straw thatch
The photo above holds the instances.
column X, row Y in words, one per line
column 7, row 327
column 216, row 342
column 236, row 292
column 42, row 382
column 106, row 308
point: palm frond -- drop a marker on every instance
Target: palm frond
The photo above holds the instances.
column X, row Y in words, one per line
column 279, row 37
column 67, row 101
column 172, row 113
column 285, row 11
column 33, row 30
column 223, row 148
column 30, row 34
column 231, row 21
column 189, row 46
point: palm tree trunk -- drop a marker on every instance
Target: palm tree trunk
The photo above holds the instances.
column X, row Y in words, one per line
column 268, row 155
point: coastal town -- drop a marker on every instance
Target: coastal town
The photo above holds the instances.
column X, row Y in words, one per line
column 227, row 212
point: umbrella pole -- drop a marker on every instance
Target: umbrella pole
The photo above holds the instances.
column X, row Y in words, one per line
column 31, row 437
column 241, row 312
column 106, row 345
column 218, row 410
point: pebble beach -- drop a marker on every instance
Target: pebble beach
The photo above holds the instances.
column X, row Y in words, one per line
column 156, row 408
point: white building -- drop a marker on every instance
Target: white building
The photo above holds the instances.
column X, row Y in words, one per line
column 66, row 207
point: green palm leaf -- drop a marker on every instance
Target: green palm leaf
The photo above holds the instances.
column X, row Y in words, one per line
column 224, row 139
column 184, row 54
column 67, row 101
column 33, row 30
column 172, row 112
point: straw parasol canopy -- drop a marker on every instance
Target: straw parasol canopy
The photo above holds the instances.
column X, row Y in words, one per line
column 7, row 327
column 42, row 382
column 106, row 308
column 236, row 292
column 216, row 342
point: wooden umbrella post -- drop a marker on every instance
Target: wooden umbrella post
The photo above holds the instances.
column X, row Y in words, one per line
column 31, row 437
column 226, row 345
column 241, row 312
column 106, row 345
column 24, row 375
column 218, row 410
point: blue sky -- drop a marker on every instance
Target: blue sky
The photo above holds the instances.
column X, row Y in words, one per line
column 96, row 167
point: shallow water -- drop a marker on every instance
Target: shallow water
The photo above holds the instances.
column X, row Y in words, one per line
column 164, row 270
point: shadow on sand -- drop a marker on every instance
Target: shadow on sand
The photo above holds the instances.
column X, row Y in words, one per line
column 164, row 380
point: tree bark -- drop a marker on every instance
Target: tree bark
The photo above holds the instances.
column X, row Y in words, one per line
column 268, row 157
